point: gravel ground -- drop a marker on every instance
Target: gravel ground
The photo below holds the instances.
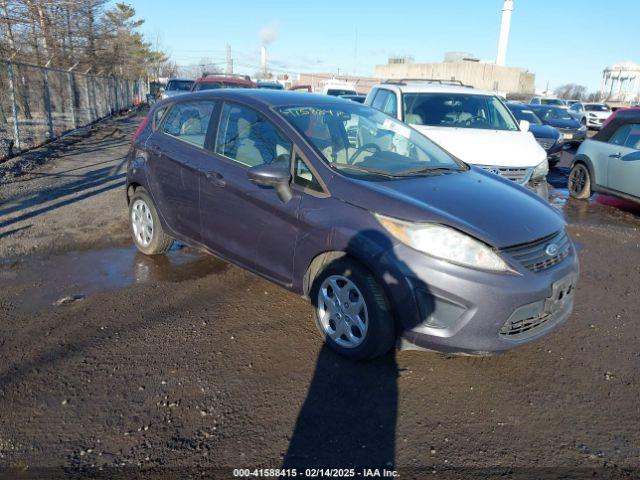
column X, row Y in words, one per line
column 114, row 365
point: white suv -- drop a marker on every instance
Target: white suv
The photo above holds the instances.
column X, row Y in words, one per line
column 591, row 115
column 473, row 125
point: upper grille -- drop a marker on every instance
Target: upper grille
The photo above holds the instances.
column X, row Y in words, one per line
column 546, row 143
column 533, row 255
column 515, row 174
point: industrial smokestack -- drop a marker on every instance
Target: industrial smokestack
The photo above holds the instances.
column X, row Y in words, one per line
column 505, row 25
column 263, row 61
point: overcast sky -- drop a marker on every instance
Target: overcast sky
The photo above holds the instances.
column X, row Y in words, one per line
column 561, row 41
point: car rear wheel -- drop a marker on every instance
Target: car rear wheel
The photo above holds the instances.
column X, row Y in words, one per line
column 145, row 226
column 351, row 311
column 579, row 182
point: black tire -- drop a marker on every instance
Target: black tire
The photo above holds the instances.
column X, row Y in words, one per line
column 584, row 122
column 380, row 333
column 579, row 182
column 159, row 242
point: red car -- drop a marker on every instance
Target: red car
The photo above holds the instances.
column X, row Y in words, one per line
column 212, row 82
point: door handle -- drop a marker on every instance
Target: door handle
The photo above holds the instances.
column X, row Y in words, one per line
column 615, row 155
column 215, row 178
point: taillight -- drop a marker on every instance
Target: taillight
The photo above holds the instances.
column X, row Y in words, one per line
column 142, row 126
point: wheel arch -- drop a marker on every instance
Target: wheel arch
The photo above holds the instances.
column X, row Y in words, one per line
column 586, row 161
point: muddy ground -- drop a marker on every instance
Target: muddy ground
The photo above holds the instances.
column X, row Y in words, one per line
column 112, row 363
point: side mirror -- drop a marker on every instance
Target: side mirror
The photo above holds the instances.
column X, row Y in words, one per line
column 524, row 125
column 273, row 176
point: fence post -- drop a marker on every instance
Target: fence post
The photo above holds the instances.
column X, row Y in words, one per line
column 72, row 97
column 47, row 102
column 14, row 106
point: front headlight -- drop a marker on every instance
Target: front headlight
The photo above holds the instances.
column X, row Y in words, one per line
column 444, row 243
column 541, row 170
column 593, row 115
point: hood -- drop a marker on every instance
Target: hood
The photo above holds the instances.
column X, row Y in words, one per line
column 478, row 203
column 602, row 115
column 573, row 124
column 500, row 148
column 544, row 131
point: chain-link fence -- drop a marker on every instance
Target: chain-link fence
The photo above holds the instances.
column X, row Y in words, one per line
column 38, row 104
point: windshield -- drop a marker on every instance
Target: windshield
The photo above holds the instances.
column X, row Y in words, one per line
column 552, row 113
column 181, row 85
column 362, row 141
column 336, row 92
column 554, row 101
column 457, row 110
column 526, row 114
column 596, row 108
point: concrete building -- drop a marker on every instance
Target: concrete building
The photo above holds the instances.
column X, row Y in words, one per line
column 620, row 84
column 467, row 69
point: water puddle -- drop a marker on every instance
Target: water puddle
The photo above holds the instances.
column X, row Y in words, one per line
column 71, row 276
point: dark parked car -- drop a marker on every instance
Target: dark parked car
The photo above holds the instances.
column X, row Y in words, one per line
column 270, row 85
column 214, row 82
column 385, row 232
column 573, row 132
column 547, row 136
column 354, row 98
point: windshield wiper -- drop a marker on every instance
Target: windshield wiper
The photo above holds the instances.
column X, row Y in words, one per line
column 425, row 170
column 365, row 169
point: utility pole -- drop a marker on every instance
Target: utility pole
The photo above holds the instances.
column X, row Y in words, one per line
column 229, row 68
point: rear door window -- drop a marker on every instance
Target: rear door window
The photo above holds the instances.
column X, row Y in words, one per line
column 633, row 139
column 189, row 121
column 621, row 135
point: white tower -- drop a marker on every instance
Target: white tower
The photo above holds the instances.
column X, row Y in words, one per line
column 263, row 61
column 505, row 25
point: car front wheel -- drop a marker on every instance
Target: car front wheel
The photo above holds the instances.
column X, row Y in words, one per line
column 579, row 182
column 351, row 311
column 145, row 226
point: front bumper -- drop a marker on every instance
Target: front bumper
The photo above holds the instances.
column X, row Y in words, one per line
column 448, row 308
column 595, row 123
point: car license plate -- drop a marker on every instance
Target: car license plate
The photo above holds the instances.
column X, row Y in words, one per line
column 568, row 136
column 561, row 293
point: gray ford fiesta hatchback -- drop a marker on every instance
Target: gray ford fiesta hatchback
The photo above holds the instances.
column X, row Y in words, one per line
column 391, row 238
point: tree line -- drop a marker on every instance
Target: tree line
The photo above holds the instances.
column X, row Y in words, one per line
column 84, row 35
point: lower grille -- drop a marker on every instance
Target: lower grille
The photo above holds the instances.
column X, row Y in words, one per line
column 529, row 320
column 515, row 174
column 546, row 143
column 530, row 325
column 543, row 253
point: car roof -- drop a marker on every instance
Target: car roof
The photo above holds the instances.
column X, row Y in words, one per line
column 225, row 79
column 426, row 87
column 275, row 98
column 547, row 107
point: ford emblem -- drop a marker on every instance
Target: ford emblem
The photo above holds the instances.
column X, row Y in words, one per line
column 552, row 250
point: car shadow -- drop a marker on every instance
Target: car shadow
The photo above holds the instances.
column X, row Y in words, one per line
column 348, row 419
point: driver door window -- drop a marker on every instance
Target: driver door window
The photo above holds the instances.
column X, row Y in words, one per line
column 248, row 138
column 620, row 136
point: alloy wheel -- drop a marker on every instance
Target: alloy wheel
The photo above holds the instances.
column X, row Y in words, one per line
column 142, row 222
column 577, row 180
column 342, row 311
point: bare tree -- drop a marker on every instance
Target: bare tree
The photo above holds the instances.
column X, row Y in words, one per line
column 86, row 33
column 571, row 91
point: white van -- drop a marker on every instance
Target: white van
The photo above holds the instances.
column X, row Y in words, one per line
column 473, row 125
